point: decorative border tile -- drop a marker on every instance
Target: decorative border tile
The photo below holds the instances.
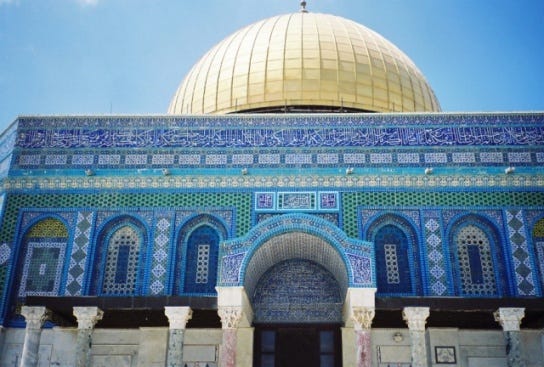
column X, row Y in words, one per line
column 296, row 201
column 161, row 249
column 265, row 201
column 438, row 285
column 80, row 249
column 520, row 253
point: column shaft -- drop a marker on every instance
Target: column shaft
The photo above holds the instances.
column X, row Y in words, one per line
column 83, row 347
column 510, row 320
column 416, row 317
column 177, row 318
column 362, row 319
column 364, row 353
column 230, row 318
column 87, row 317
column 35, row 317
column 174, row 355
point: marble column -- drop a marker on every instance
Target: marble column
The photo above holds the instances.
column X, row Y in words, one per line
column 177, row 318
column 362, row 320
column 34, row 316
column 510, row 320
column 416, row 317
column 230, row 319
column 87, row 317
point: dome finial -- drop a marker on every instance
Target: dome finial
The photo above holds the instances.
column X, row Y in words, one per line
column 303, row 7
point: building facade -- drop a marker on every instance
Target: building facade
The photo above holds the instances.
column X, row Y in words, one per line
column 328, row 237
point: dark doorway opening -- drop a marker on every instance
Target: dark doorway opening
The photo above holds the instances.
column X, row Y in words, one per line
column 297, row 345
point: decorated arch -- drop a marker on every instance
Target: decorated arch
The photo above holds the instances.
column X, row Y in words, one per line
column 243, row 261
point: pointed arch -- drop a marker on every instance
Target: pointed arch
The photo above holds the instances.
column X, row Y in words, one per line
column 118, row 258
column 196, row 255
column 296, row 236
column 397, row 253
column 41, row 261
column 477, row 257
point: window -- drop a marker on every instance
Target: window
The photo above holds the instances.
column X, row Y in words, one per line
column 392, row 260
column 477, row 257
column 477, row 275
column 120, row 273
column 201, row 264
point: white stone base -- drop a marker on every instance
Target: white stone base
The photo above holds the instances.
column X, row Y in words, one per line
column 147, row 347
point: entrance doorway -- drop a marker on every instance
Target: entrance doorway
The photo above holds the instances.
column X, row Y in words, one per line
column 297, row 345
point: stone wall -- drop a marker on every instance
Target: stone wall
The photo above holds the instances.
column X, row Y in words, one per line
column 147, row 347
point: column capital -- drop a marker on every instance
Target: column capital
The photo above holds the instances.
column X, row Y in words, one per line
column 35, row 316
column 87, row 317
column 415, row 317
column 362, row 317
column 230, row 316
column 178, row 316
column 509, row 318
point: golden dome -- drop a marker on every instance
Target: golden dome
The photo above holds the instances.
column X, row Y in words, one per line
column 308, row 60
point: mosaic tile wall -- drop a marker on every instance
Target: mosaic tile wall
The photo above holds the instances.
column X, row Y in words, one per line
column 431, row 274
column 249, row 176
column 308, row 293
column 278, row 142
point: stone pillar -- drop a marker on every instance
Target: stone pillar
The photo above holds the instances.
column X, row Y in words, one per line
column 416, row 317
column 35, row 317
column 177, row 317
column 230, row 319
column 362, row 320
column 510, row 320
column 87, row 317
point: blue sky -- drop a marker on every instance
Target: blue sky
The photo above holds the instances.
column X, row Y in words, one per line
column 128, row 56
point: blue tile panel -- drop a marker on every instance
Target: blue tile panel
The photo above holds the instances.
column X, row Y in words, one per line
column 80, row 248
column 42, row 269
column 396, row 250
column 297, row 291
column 279, row 142
column 437, row 264
column 162, row 247
column 417, row 223
column 201, row 263
column 517, row 236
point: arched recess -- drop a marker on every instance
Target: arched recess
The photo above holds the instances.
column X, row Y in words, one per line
column 303, row 241
column 297, row 291
column 295, row 245
column 538, row 242
column 41, row 261
column 119, row 258
column 397, row 255
column 196, row 256
column 477, row 257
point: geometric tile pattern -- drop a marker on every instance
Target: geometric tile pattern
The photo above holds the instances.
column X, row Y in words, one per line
column 393, row 228
column 159, row 259
column 122, row 262
column 80, row 246
column 202, row 250
column 520, row 253
column 42, row 268
column 263, row 159
column 437, row 277
column 476, row 268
